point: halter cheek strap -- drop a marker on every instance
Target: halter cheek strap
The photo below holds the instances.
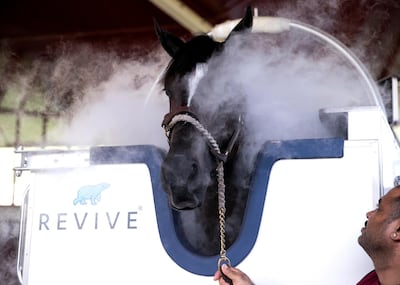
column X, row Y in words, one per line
column 184, row 114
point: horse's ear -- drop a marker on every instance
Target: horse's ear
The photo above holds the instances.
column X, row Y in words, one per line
column 245, row 23
column 169, row 42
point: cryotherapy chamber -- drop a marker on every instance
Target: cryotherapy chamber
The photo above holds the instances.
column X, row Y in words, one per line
column 99, row 215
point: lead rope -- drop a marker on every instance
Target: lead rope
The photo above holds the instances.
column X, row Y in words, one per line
column 220, row 178
column 221, row 212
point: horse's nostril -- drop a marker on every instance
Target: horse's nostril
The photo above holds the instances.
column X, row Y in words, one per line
column 195, row 170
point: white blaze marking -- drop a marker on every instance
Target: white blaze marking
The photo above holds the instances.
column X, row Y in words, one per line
column 194, row 79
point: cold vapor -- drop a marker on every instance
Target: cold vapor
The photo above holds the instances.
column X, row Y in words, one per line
column 287, row 80
column 124, row 109
column 290, row 83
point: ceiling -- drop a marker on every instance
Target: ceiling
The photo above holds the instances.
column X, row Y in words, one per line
column 370, row 28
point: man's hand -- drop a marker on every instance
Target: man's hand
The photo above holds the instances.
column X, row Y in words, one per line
column 237, row 276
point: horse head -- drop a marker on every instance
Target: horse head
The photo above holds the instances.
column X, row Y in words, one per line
column 195, row 132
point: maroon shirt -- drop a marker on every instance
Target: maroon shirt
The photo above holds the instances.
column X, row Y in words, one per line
column 370, row 279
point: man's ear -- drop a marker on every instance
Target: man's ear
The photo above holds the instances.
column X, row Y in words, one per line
column 395, row 233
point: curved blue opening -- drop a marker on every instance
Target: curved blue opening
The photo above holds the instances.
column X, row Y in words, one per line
column 270, row 153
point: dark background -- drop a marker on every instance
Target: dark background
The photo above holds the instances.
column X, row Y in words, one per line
column 371, row 28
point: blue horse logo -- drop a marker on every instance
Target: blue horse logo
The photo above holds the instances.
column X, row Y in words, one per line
column 90, row 192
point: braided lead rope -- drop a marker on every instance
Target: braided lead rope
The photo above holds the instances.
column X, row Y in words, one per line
column 220, row 176
column 221, row 212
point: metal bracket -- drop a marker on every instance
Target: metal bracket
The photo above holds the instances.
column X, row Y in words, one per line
column 35, row 160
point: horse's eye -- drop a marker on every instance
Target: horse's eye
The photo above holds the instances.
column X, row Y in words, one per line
column 167, row 92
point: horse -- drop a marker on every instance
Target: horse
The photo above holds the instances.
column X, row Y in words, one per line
column 203, row 136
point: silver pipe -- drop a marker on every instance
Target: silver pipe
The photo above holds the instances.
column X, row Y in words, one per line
column 278, row 25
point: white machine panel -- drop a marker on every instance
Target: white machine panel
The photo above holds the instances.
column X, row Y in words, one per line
column 94, row 225
column 98, row 225
column 313, row 214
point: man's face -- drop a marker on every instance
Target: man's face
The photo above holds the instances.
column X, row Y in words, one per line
column 375, row 236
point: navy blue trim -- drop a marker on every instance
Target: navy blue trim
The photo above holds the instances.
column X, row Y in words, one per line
column 271, row 152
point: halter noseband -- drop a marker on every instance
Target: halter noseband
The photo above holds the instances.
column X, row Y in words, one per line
column 185, row 114
column 178, row 110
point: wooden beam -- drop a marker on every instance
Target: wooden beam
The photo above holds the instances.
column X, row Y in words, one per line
column 185, row 16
